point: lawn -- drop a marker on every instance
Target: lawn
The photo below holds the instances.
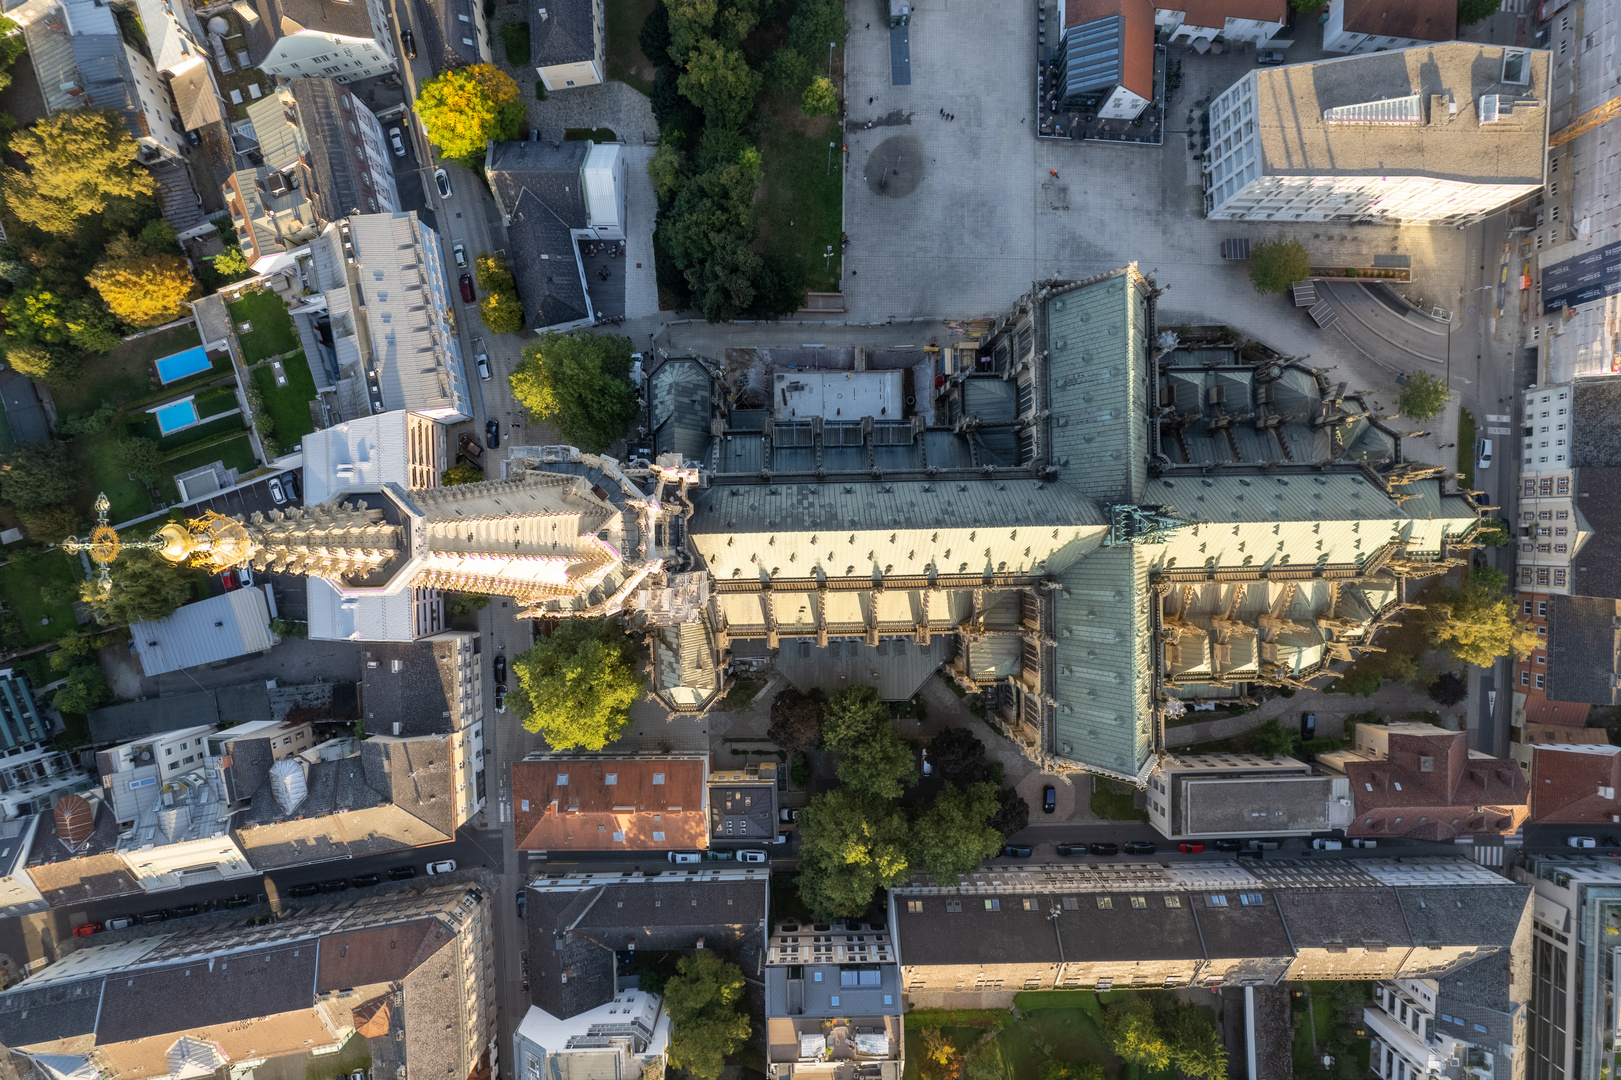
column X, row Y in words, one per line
column 1466, row 447
column 98, row 457
column 273, row 331
column 288, row 406
column 801, row 206
column 1071, row 1031
column 20, row 582
column 221, row 399
column 1113, row 801
column 124, row 375
column 236, row 453
column 515, row 40
column 147, row 427
column 353, row 1054
column 625, row 60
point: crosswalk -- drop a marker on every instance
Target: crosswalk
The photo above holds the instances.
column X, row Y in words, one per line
column 1489, row 854
column 1515, row 7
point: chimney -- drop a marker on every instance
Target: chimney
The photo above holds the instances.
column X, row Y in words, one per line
column 700, row 943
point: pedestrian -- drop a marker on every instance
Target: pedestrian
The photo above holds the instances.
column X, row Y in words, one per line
column 1054, row 172
column 942, row 114
column 869, row 101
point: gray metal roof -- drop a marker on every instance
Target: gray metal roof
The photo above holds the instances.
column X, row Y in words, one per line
column 564, row 35
column 541, row 193
column 219, row 628
column 1094, row 56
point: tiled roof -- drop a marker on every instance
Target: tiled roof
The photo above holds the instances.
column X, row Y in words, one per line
column 1420, row 20
column 541, row 193
column 1594, row 404
column 180, row 997
column 564, row 35
column 1584, row 634
column 1430, row 788
column 1596, row 566
column 377, row 955
column 415, row 685
column 587, row 814
column 1215, row 13
column 1575, row 784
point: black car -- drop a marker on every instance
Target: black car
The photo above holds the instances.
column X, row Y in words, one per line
column 1104, row 848
column 364, row 880
column 1308, row 725
column 1229, row 845
column 289, row 484
column 240, row 900
column 147, row 917
column 1606, row 841
column 1252, row 854
column 1139, row 847
column 1049, row 799
column 1067, row 850
column 304, row 890
column 500, row 670
column 335, row 885
column 1016, row 851
column 402, row 873
column 409, row 40
column 523, row 901
column 492, row 434
column 186, row 911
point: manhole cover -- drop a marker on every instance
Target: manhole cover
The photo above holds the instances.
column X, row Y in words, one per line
column 895, row 167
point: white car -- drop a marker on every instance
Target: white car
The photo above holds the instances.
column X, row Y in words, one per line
column 446, row 866
column 1483, row 460
column 441, row 180
column 397, row 141
column 461, row 256
column 686, row 856
column 753, row 856
column 277, row 495
column 244, row 576
column 1326, row 845
column 1581, row 841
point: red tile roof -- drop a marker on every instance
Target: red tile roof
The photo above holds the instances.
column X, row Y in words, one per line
column 1421, row 20
column 1429, row 788
column 1137, row 50
column 1215, row 13
column 1568, row 713
column 584, row 812
column 1571, row 786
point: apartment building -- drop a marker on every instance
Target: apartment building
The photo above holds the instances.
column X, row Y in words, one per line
column 344, row 41
column 1575, row 784
column 324, row 141
column 833, row 1002
column 621, row 1040
column 1201, row 23
column 1365, row 26
column 406, row 977
column 1570, row 474
column 1466, row 1023
column 1584, row 649
column 1531, row 672
column 1199, row 796
column 175, row 39
column 569, row 43
column 1415, row 136
column 743, row 804
column 611, row 802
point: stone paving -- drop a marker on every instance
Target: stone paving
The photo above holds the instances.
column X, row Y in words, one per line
column 613, row 105
column 1391, row 701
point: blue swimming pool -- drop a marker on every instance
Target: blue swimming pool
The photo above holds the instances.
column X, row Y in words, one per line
column 182, row 364
column 173, row 417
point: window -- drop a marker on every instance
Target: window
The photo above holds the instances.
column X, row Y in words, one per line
column 1139, row 901
column 993, row 905
column 1558, row 577
column 562, row 779
column 914, row 906
column 658, row 778
column 1562, row 515
column 1173, row 901
column 953, row 905
column 1546, row 515
column 833, row 1000
column 1561, row 547
column 1542, row 609
column 1029, row 905
column 1541, row 680
column 816, row 976
column 1251, row 899
column 1542, row 577
column 1526, row 607
column 619, row 837
column 1216, row 900
column 658, row 836
column 1105, row 903
column 1525, row 678
column 611, row 779
column 1564, row 481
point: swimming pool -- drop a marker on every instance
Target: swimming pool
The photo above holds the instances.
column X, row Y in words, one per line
column 182, row 364
column 175, row 415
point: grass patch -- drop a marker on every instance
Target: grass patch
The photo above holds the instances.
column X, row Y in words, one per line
column 273, row 331
column 801, row 206
column 1085, row 1000
column 236, row 454
column 515, row 39
column 123, row 375
column 1112, row 801
column 354, row 1054
column 1022, row 1046
column 957, row 1018
column 739, row 696
column 600, row 135
column 216, row 402
column 288, row 406
column 241, row 79
column 1466, row 447
column 20, row 582
column 97, row 455
column 625, row 60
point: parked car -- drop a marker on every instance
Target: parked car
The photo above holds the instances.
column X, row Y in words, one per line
column 277, row 495
column 685, row 856
column 720, row 854
column 1229, row 845
column 402, row 873
column 186, row 911
column 1067, row 851
column 120, row 923
column 1269, row 56
column 409, row 40
column 244, row 576
column 1265, row 845
column 397, row 141
column 501, row 697
column 365, row 881
column 1191, row 847
column 1364, row 842
column 1138, row 847
column 308, row 889
column 441, row 180
column 482, row 360
column 1308, row 725
column 928, row 766
column 1483, row 454
column 1016, row 851
column 1049, row 799
column 443, row 866
column 86, row 929
column 358, row 1074
column 788, row 814
column 147, row 918
column 289, row 483
column 1104, row 847
column 470, row 446
column 1581, row 841
column 783, row 838
column 459, row 253
column 492, row 433
column 1252, row 855
column 1321, row 844
column 333, row 885
column 466, row 282
column 500, row 670
column 228, row 580
column 1607, row 840
column 239, row 900
column 753, row 856
column 523, row 901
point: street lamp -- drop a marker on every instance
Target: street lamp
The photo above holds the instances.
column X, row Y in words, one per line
column 830, row 61
column 830, row 147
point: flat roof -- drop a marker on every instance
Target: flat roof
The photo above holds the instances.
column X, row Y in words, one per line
column 1260, row 804
column 838, row 395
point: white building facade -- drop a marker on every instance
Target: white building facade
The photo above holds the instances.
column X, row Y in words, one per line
column 620, row 1040
column 344, row 41
column 1351, row 25
column 1249, row 22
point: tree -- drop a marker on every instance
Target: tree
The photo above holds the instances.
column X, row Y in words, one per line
column 852, row 716
column 159, row 235
column 142, row 289
column 654, row 36
column 709, row 229
column 85, row 689
column 52, row 524
column 231, row 262
column 667, row 170
column 1275, row 265
column 704, row 999
column 1196, row 1045
column 90, row 326
column 1449, row 689
column 1489, row 578
column 958, row 757
column 581, row 383
column 689, row 23
column 36, row 316
column 35, row 475
column 849, row 848
column 1134, row 1034
column 12, row 45
column 465, row 108
column 787, row 72
column 1422, row 396
column 81, row 163
column 1360, row 680
column 953, row 834
column 1071, row 1070
column 1477, row 625
column 720, row 82
column 1012, row 812
column 142, row 458
column 880, row 765
column 1473, row 11
column 464, row 603
column 816, row 24
column 1275, row 740
column 501, row 312
column 1493, row 532
column 796, row 720
column 144, row 587
column 491, row 272
column 939, row 1056
column 820, row 98
column 577, row 686
column 52, row 363
column 463, row 472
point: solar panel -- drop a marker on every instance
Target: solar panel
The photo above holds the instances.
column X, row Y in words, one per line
column 1402, row 110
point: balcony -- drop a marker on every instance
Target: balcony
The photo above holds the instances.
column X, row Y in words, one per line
column 856, row 1040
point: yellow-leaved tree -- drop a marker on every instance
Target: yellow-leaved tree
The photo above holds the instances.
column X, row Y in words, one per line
column 142, row 289
column 81, row 162
column 465, row 108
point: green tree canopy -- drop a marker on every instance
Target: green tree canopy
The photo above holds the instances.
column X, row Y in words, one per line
column 953, row 834
column 142, row 458
column 1473, row 11
column 880, row 765
column 820, row 98
column 704, row 999
column 144, row 587
column 52, row 524
column 1275, row 265
column 708, row 230
column 1422, row 396
column 849, row 848
column 796, row 720
column 1477, row 625
column 502, row 312
column 90, row 326
column 1196, row 1045
column 720, row 82
column 577, row 686
column 1135, row 1035
column 52, row 363
column 12, row 46
column 35, row 475
column 852, row 716
column 1275, row 740
column 463, row 472
column 816, row 24
column 1493, row 532
column 667, row 170
column 142, row 288
column 580, row 383
column 231, row 262
column 464, row 108
column 84, row 690
column 689, row 24
column 81, row 162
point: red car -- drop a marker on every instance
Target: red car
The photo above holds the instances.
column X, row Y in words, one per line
column 467, row 287
column 228, row 579
column 86, row 929
column 1191, row 847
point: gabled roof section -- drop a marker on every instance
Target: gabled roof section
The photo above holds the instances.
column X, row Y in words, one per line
column 1097, row 338
column 567, row 804
column 1104, row 667
column 1575, row 784
column 563, row 35
column 1421, row 20
column 1584, row 634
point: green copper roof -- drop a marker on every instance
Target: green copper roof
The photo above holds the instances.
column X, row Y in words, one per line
column 1104, row 672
